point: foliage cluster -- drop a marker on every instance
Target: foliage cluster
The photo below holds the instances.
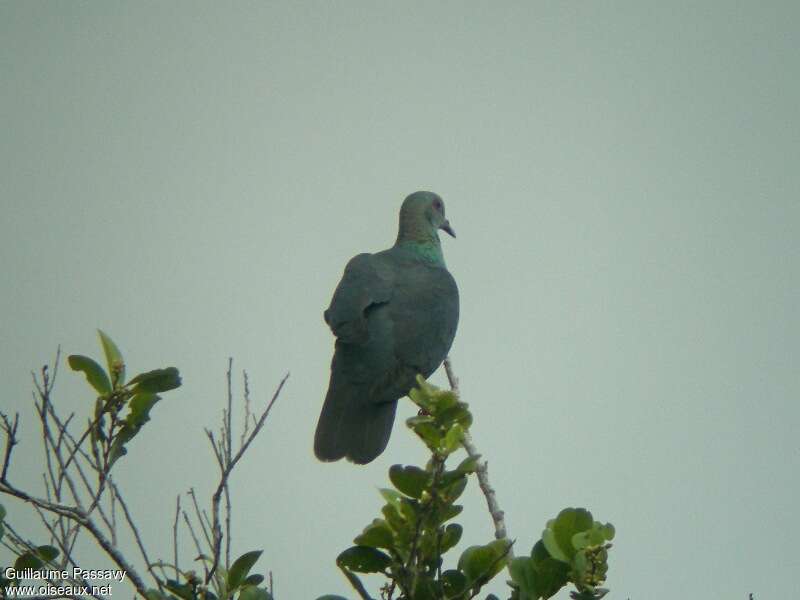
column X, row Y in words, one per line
column 407, row 545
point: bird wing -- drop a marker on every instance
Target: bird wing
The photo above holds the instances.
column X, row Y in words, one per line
column 364, row 285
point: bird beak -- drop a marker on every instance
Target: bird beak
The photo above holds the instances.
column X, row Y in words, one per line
column 446, row 227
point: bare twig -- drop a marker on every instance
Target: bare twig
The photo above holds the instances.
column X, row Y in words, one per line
column 66, row 549
column 248, row 415
column 175, row 534
column 482, row 471
column 79, row 515
column 21, row 545
column 191, row 532
column 10, row 430
column 225, row 470
column 135, row 531
column 199, row 516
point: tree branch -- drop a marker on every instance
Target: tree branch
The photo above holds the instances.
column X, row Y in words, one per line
column 482, row 471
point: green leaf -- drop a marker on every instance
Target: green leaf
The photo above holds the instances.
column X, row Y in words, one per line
column 254, row 593
column 551, row 574
column 392, row 498
column 553, row 548
column 523, row 574
column 254, row 579
column 453, row 437
column 36, row 558
column 153, row 594
column 454, row 583
column 539, row 577
column 448, row 512
column 557, row 537
column 454, row 490
column 28, row 560
column 95, row 374
column 410, row 480
column 241, row 567
column 451, row 536
column 481, row 563
column 47, row 553
column 363, row 559
column 427, row 431
column 158, row 380
column 182, row 590
column 393, row 518
column 138, row 414
column 116, row 365
column 457, row 414
column 469, row 464
column 378, row 534
column 596, row 536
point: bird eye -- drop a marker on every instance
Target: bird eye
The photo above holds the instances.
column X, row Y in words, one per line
column 437, row 204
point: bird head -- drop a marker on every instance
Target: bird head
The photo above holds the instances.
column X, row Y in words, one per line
column 421, row 216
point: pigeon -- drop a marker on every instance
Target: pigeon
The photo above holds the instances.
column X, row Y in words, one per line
column 394, row 315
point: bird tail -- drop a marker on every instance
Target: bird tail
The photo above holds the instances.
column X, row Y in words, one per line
column 350, row 426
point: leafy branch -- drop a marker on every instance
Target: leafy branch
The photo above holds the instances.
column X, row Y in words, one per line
column 81, row 495
column 407, row 546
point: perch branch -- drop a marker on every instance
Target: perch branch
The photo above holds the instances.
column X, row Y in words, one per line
column 482, row 471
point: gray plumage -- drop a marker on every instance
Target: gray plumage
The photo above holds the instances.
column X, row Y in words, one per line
column 394, row 315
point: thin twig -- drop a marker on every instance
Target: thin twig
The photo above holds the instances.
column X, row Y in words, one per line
column 191, row 532
column 175, row 535
column 78, row 515
column 482, row 471
column 66, row 550
column 247, row 414
column 225, row 472
column 135, row 531
column 199, row 516
column 11, row 441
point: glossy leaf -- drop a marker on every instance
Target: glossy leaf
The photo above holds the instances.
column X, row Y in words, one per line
column 557, row 537
column 454, row 490
column 449, row 512
column 94, row 373
column 254, row 579
column 410, row 480
column 138, row 415
column 469, row 464
column 598, row 535
column 254, row 593
column 454, row 583
column 114, row 360
column 182, row 590
column 36, row 559
column 451, row 536
column 392, row 498
column 481, row 563
column 540, row 575
column 453, row 437
column 378, row 534
column 241, row 567
column 429, row 433
column 363, row 559
column 158, row 380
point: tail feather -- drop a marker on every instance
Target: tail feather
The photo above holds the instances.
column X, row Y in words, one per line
column 350, row 426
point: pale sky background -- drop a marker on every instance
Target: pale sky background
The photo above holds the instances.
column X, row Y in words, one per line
column 623, row 178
